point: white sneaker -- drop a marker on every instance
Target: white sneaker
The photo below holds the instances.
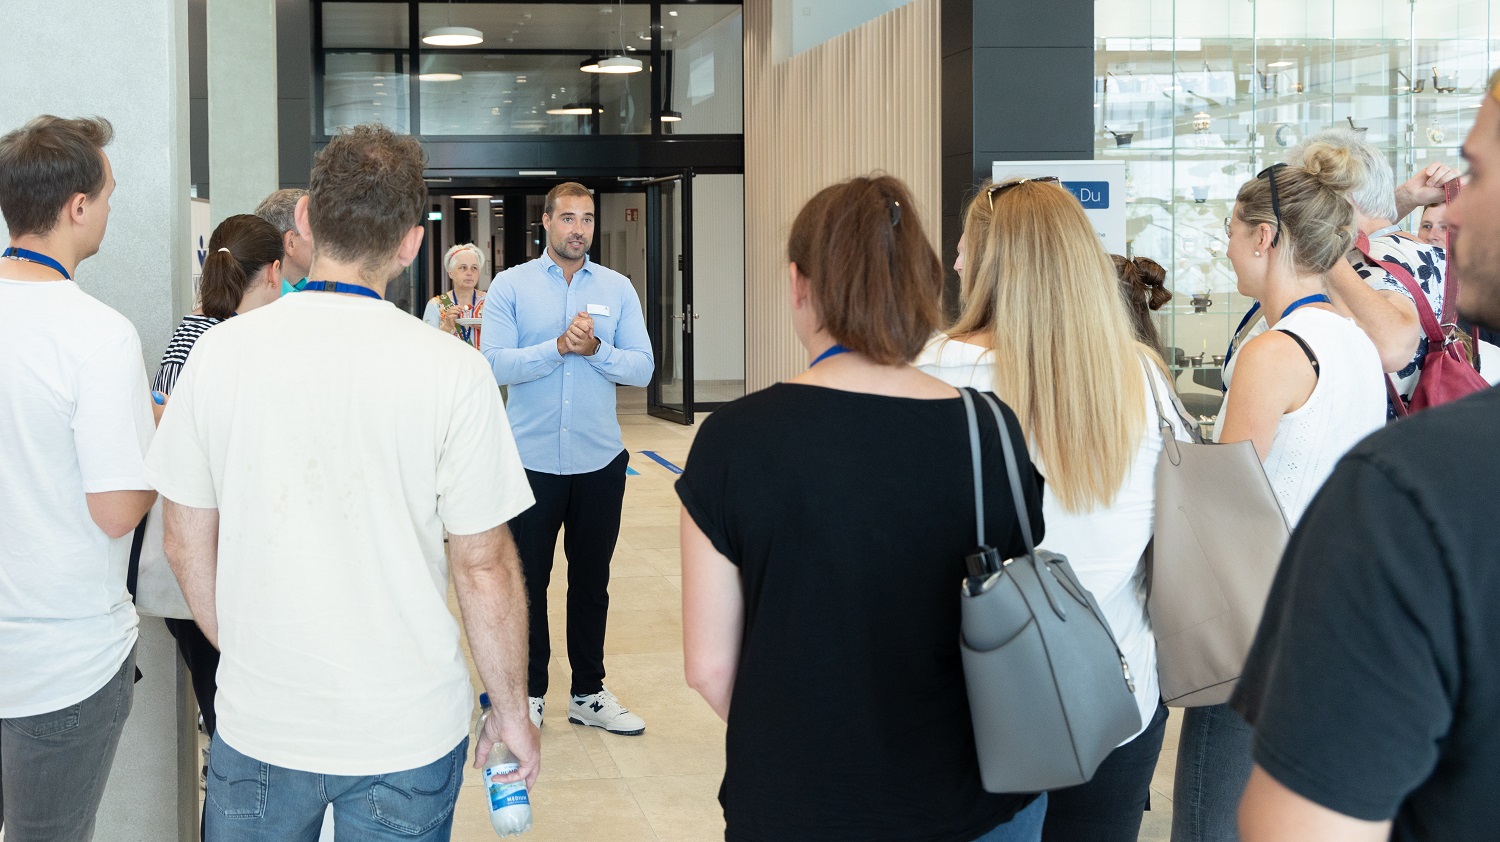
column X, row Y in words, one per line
column 603, row 710
column 538, row 704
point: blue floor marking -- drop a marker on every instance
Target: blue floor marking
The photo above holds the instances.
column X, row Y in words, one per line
column 656, row 457
column 631, row 472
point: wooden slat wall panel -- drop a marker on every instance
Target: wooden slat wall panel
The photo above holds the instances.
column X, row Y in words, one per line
column 866, row 101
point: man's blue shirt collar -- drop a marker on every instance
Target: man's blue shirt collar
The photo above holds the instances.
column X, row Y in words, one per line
column 549, row 264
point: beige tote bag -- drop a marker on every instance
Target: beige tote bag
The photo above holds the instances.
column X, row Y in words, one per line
column 1219, row 537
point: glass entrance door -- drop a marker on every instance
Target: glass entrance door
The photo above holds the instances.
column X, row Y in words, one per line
column 669, row 295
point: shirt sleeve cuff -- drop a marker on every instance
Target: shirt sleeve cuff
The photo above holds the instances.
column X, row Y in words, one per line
column 602, row 355
column 108, row 484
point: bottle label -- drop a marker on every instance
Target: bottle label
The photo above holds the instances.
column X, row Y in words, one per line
column 504, row 795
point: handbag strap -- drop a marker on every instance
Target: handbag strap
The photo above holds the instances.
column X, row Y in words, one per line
column 1012, row 468
column 1429, row 322
column 977, row 466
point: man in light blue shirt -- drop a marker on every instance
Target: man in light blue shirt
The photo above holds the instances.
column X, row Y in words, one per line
column 562, row 331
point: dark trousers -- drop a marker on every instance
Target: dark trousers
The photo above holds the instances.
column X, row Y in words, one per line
column 1109, row 807
column 587, row 508
column 202, row 661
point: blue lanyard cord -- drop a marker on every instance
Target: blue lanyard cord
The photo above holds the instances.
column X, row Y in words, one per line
column 330, row 286
column 1317, row 298
column 1255, row 309
column 464, row 332
column 37, row 257
column 831, row 352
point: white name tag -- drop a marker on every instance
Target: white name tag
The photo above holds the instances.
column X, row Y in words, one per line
column 598, row 310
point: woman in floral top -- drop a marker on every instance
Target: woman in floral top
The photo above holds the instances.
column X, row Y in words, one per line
column 463, row 300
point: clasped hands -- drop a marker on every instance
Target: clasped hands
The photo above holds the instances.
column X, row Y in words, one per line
column 579, row 337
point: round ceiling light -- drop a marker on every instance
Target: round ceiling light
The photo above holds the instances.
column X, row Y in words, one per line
column 574, row 108
column 671, row 116
column 441, row 76
column 453, row 36
column 613, row 64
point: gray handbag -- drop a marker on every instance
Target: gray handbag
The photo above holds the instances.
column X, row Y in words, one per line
column 1050, row 693
column 1219, row 537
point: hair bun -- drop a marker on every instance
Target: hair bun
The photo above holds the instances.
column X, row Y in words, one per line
column 1150, row 272
column 1333, row 166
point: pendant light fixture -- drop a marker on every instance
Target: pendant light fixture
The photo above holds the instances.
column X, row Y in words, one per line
column 579, row 109
column 619, row 63
column 667, row 113
column 452, row 36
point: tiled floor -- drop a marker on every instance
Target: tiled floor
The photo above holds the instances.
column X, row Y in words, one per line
column 661, row 786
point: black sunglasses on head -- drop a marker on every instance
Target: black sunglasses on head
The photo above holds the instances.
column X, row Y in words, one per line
column 996, row 189
column 1269, row 173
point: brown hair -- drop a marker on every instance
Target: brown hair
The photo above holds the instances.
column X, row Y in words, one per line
column 567, row 188
column 876, row 284
column 253, row 244
column 366, row 191
column 1317, row 221
column 1143, row 284
column 44, row 164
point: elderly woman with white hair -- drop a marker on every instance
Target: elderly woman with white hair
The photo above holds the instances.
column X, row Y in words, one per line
column 463, row 300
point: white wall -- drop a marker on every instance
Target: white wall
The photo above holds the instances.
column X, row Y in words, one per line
column 711, row 102
column 719, row 277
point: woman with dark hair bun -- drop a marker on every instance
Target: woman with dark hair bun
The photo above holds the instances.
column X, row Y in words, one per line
column 1143, row 282
column 242, row 271
column 823, row 543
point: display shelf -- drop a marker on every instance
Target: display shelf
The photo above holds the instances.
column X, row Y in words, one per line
column 1209, row 92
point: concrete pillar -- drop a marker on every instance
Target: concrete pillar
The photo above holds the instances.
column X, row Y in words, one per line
column 127, row 62
column 242, row 105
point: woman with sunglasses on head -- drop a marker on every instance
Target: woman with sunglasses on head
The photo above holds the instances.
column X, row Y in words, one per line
column 822, row 553
column 1304, row 392
column 1045, row 326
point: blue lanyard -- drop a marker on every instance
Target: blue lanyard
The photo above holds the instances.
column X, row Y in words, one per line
column 831, row 352
column 1255, row 309
column 1318, row 298
column 465, row 332
column 330, row 286
column 37, row 257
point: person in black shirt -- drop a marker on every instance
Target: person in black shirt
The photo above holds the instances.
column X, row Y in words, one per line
column 825, row 524
column 1373, row 683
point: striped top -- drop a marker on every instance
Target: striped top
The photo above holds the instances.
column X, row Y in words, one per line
column 183, row 339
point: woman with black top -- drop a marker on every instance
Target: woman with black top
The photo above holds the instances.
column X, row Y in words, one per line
column 823, row 544
column 242, row 271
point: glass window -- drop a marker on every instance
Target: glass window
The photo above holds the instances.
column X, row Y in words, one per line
column 365, row 87
column 547, row 26
column 703, row 61
column 509, row 94
column 365, row 25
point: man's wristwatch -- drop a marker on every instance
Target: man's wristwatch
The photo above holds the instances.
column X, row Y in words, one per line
column 598, row 343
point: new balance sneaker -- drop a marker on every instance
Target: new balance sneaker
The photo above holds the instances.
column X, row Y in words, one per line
column 538, row 704
column 603, row 710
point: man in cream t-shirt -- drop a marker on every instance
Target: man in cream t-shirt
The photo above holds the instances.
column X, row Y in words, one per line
column 313, row 455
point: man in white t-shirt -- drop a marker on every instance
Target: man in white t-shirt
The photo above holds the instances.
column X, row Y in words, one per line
column 75, row 422
column 313, row 455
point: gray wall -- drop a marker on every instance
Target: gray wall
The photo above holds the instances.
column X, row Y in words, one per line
column 1018, row 84
column 127, row 62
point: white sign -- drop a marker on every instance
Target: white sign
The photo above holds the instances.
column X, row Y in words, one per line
column 1099, row 186
column 201, row 229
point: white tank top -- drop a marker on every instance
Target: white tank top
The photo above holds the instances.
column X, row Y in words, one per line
column 1347, row 404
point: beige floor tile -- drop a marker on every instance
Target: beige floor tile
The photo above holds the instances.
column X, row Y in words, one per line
column 651, row 537
column 675, row 581
column 563, row 811
column 644, row 594
column 640, row 632
column 681, row 808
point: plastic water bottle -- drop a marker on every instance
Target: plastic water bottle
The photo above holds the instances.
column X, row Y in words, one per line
column 510, row 807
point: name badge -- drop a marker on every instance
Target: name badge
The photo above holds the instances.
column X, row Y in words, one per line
column 598, row 310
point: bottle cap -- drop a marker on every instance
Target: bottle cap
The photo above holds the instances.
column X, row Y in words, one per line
column 484, row 700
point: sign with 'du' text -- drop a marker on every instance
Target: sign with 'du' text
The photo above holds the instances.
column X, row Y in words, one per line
column 1098, row 185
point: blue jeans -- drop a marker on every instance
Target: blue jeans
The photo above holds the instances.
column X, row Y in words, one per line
column 1109, row 807
column 1213, row 766
column 251, row 801
column 1025, row 826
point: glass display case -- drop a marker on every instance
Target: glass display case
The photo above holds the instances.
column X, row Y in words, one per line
column 1197, row 96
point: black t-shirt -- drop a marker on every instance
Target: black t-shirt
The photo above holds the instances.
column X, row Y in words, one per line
column 1374, row 682
column 849, row 516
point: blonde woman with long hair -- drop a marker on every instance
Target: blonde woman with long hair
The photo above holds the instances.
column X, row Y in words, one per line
column 1044, row 327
